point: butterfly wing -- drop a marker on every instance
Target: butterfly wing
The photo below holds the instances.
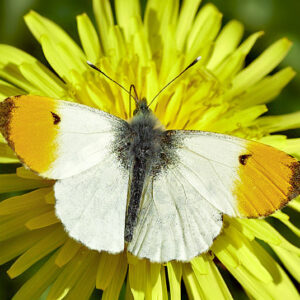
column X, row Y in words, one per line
column 92, row 205
column 175, row 222
column 239, row 177
column 181, row 210
column 55, row 138
column 74, row 144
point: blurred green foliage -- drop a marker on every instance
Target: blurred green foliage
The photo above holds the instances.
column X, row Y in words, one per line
column 277, row 18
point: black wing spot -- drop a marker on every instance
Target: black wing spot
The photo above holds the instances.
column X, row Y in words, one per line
column 243, row 158
column 56, row 118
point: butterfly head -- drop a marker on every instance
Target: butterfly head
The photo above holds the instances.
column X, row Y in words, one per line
column 141, row 107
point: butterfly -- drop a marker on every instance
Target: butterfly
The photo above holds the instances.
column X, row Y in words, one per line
column 160, row 193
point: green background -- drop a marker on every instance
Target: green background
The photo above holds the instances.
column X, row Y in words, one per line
column 276, row 17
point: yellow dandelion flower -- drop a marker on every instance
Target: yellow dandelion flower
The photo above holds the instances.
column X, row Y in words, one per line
column 218, row 95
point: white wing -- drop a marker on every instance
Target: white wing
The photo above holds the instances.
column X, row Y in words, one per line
column 84, row 139
column 210, row 163
column 175, row 221
column 241, row 178
column 56, row 138
column 181, row 210
column 92, row 205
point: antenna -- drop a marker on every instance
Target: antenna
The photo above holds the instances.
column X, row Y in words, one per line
column 190, row 65
column 121, row 86
column 132, row 87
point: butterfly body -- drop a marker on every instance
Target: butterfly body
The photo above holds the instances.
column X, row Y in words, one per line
column 144, row 149
column 164, row 192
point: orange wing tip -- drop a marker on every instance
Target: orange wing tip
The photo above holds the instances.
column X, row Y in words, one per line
column 6, row 108
column 295, row 181
column 267, row 180
column 30, row 125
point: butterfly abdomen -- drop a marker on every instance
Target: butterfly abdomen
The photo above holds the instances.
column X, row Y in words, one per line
column 136, row 189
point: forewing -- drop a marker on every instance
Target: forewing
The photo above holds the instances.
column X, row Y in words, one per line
column 55, row 138
column 237, row 176
column 92, row 205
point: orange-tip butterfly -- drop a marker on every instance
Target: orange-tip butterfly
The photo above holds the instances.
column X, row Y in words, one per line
column 163, row 192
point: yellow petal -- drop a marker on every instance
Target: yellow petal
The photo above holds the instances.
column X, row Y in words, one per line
column 191, row 283
column 270, row 124
column 151, row 82
column 39, row 282
column 186, row 17
column 114, row 288
column 67, row 252
column 173, row 107
column 107, row 269
column 41, row 77
column 128, row 294
column 62, row 60
column 163, row 295
column 41, row 26
column 7, row 155
column 6, row 160
column 170, row 54
column 267, row 89
column 12, row 74
column 25, row 173
column 85, row 286
column 140, row 43
column 13, row 183
column 41, row 221
column 292, row 146
column 203, row 31
column 18, row 245
column 260, row 229
column 105, row 21
column 72, row 274
column 24, row 202
column 200, row 264
column 49, row 198
column 256, row 288
column 125, row 10
column 7, row 90
column 226, row 43
column 224, row 249
column 15, row 225
column 238, row 119
column 45, row 81
column 154, row 289
column 89, row 38
column 159, row 15
column 295, row 204
column 284, row 218
column 211, row 115
column 209, row 279
column 261, row 66
column 231, row 65
column 138, row 278
column 38, row 251
column 12, row 55
column 246, row 255
column 117, row 48
column 174, row 276
column 290, row 260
